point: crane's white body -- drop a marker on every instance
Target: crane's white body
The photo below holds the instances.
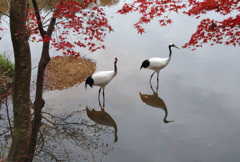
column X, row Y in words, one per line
column 157, row 63
column 102, row 78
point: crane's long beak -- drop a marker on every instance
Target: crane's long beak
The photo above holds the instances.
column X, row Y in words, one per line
column 176, row 47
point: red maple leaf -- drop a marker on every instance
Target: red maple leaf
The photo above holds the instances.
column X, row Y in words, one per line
column 215, row 32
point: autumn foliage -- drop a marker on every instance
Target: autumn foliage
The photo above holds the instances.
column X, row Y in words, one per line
column 212, row 31
column 0, row 26
column 67, row 25
column 85, row 25
column 209, row 30
column 78, row 25
column 150, row 10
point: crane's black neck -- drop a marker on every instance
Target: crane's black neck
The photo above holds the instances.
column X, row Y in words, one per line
column 170, row 50
column 115, row 66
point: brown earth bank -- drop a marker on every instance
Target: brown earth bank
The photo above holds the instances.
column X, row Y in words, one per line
column 61, row 72
column 66, row 71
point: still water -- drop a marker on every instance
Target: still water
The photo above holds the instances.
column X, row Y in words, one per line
column 194, row 115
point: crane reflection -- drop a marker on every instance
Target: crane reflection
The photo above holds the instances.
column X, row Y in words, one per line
column 103, row 118
column 155, row 101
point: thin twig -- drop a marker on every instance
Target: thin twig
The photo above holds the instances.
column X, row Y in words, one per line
column 4, row 13
column 34, row 67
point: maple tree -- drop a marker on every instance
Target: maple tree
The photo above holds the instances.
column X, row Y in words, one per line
column 87, row 26
column 84, row 25
column 66, row 25
column 209, row 30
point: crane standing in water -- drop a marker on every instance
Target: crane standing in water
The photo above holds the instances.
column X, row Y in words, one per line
column 157, row 63
column 102, row 78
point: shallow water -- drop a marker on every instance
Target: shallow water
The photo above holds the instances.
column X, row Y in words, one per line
column 198, row 90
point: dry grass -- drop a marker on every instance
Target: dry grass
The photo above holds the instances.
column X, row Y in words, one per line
column 63, row 72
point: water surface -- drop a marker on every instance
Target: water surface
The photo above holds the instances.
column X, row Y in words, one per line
column 199, row 92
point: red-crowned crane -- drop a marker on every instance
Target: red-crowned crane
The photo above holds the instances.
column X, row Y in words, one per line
column 157, row 63
column 101, row 78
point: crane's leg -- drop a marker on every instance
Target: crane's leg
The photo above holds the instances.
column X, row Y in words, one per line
column 151, row 76
column 157, row 79
column 99, row 93
column 99, row 102
column 151, row 87
column 103, row 97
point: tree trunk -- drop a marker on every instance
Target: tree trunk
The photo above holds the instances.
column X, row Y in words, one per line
column 39, row 101
column 21, row 96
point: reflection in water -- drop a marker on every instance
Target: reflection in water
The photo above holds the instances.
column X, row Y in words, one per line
column 5, row 128
column 72, row 136
column 154, row 100
column 103, row 118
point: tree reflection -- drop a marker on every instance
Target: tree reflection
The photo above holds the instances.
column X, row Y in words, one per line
column 72, row 136
column 64, row 137
column 154, row 100
column 5, row 128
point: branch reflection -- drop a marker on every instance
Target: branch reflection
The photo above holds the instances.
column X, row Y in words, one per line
column 72, row 136
column 154, row 100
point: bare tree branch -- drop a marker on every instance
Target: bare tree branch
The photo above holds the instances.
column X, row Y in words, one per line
column 40, row 26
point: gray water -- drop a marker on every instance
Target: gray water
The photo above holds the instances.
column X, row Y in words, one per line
column 199, row 91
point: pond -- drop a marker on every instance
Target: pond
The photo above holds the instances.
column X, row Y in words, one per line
column 194, row 115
